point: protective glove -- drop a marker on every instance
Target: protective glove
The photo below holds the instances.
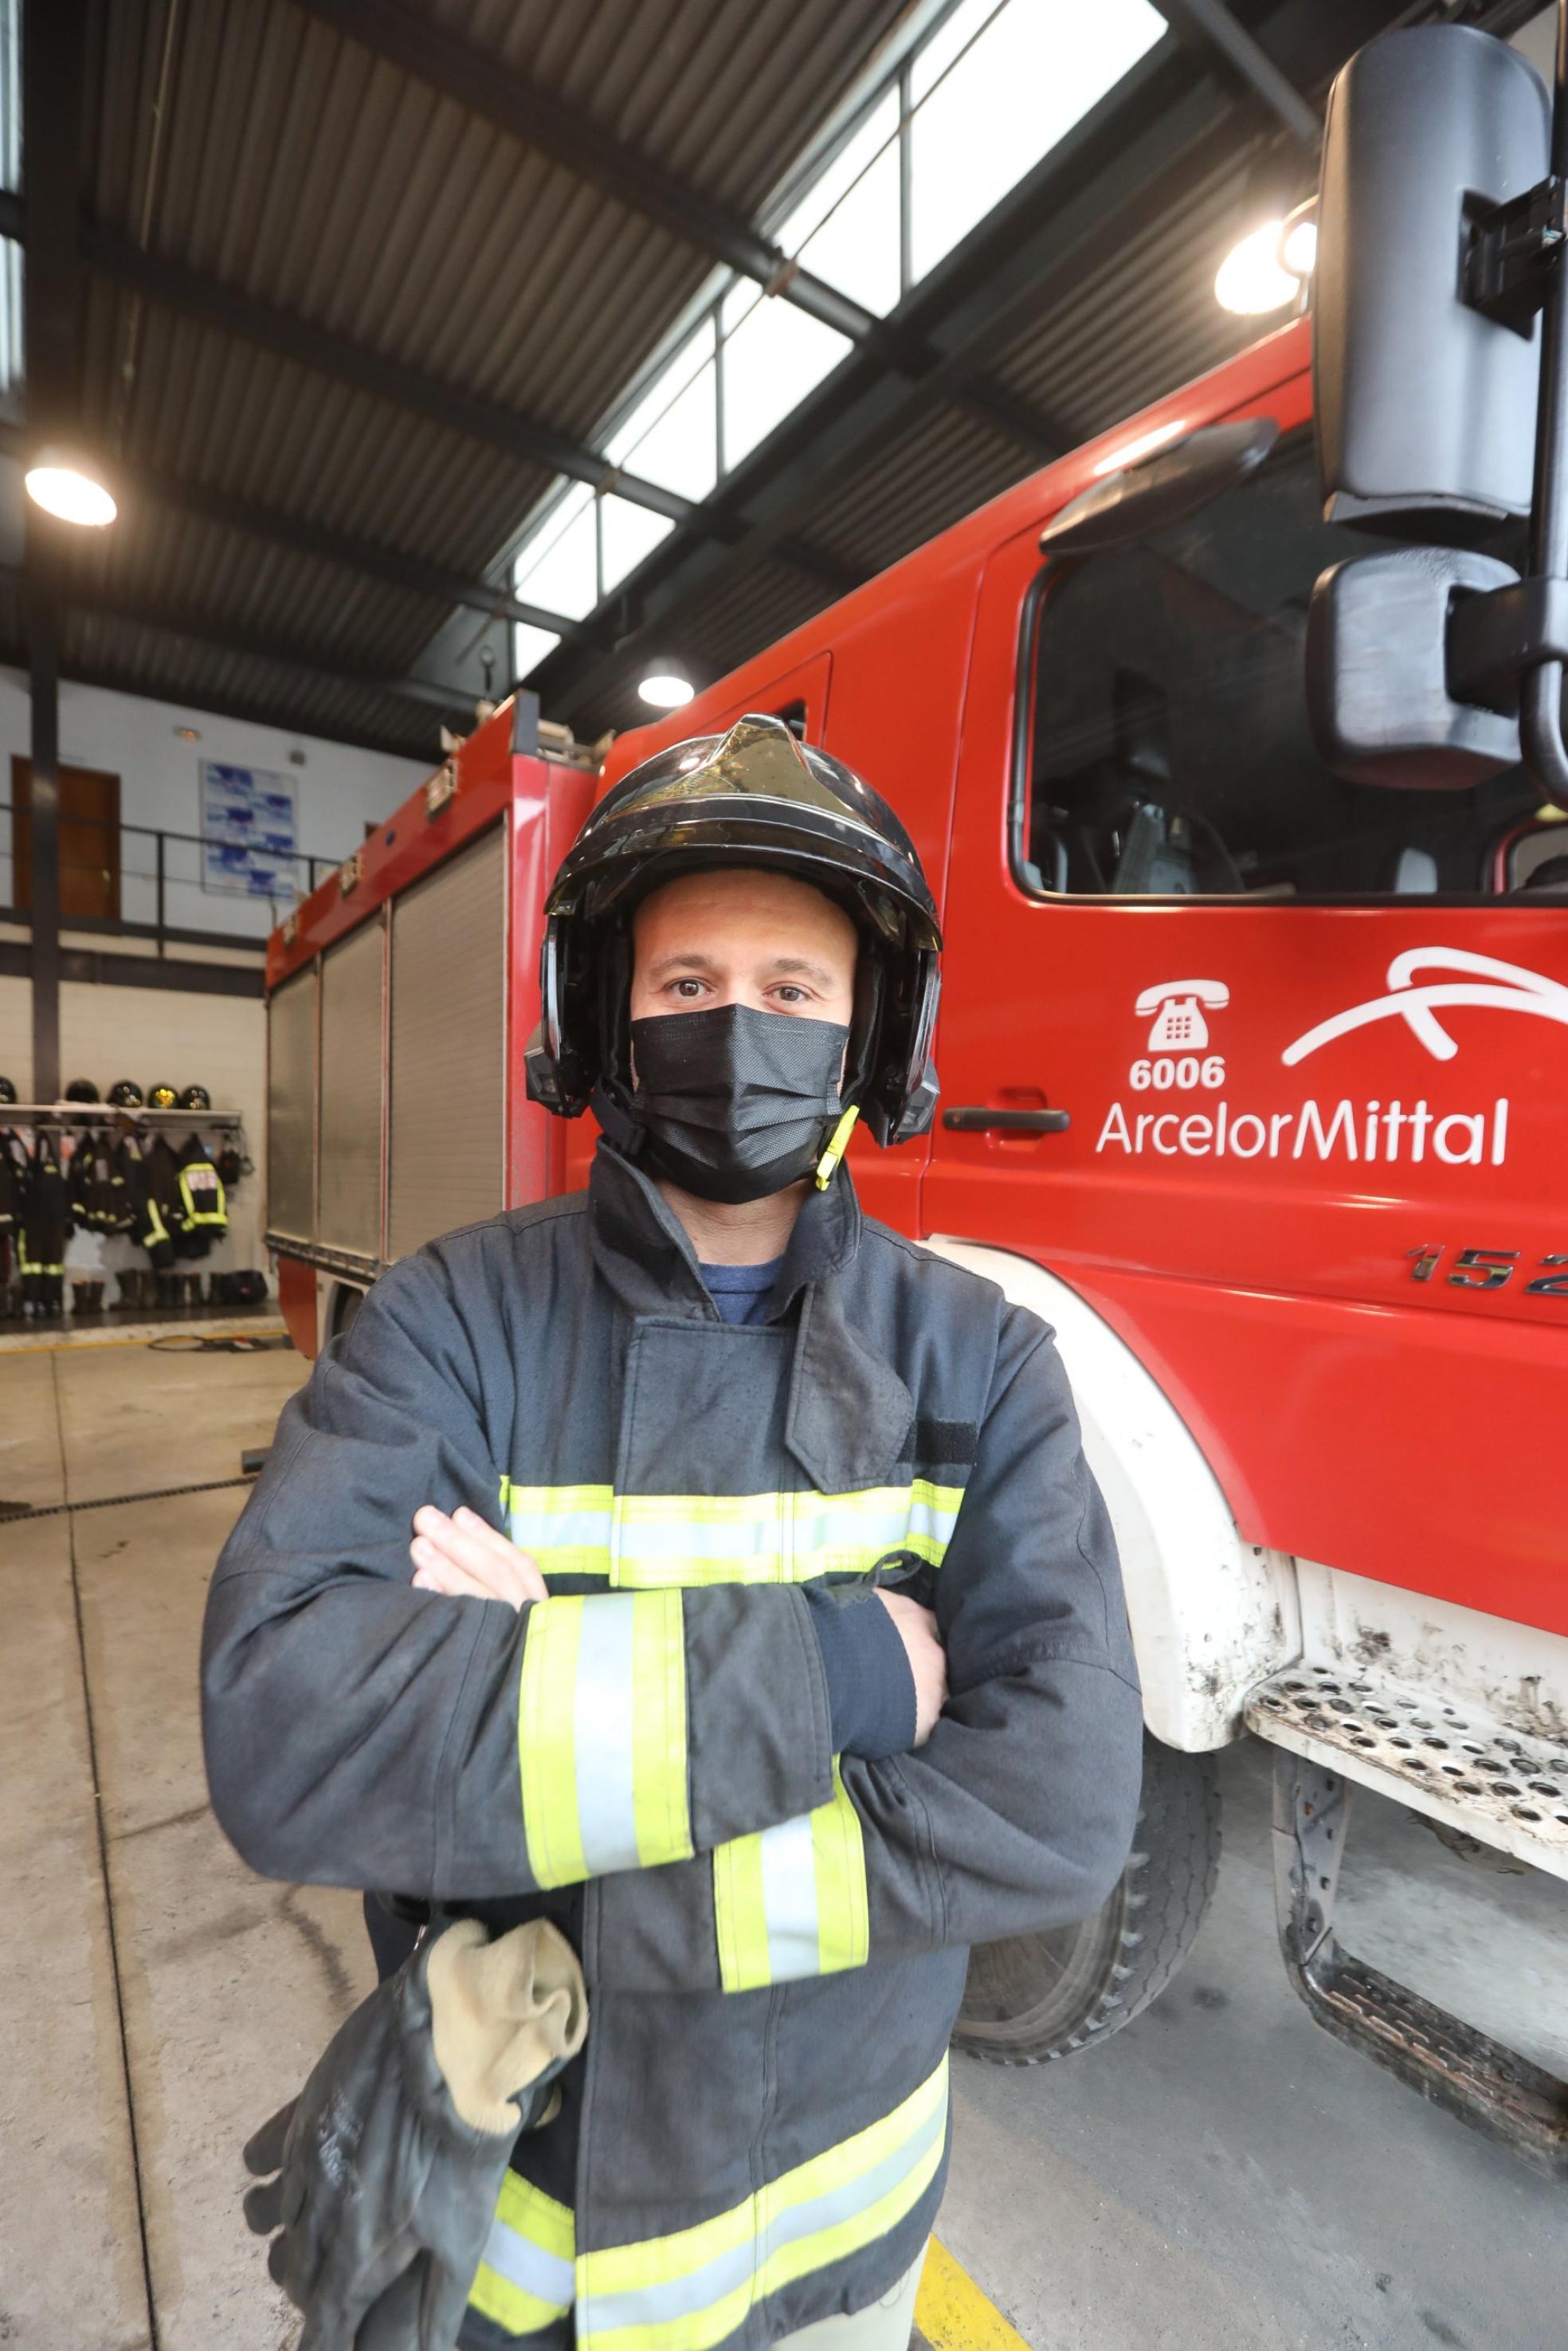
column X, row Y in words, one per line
column 391, row 2160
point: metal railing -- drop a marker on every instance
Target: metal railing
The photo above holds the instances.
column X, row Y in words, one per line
column 159, row 882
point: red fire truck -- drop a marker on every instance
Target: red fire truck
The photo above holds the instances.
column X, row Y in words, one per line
column 1253, row 1055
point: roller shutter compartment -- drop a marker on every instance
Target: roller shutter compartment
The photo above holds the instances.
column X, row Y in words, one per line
column 348, row 1209
column 448, row 1039
column 291, row 1108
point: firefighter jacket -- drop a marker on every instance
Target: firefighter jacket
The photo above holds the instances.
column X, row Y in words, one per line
column 13, row 1176
column 145, row 1218
column 97, row 1187
column 46, row 1221
column 161, row 1162
column 203, row 1213
column 774, row 1936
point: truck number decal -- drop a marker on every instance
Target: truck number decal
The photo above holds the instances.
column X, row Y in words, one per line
column 1485, row 1268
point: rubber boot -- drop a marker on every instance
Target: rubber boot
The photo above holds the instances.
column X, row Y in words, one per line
column 130, row 1282
column 193, row 1290
column 79, row 1298
column 94, row 1297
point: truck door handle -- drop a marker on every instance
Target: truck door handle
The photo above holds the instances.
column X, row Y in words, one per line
column 978, row 1120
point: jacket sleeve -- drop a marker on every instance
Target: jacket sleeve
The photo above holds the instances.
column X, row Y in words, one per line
column 1016, row 1814
column 360, row 1732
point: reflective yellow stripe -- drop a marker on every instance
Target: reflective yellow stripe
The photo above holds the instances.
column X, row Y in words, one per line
column 843, row 1929
column 651, row 1541
column 525, row 2278
column 791, row 1901
column 601, row 1735
column 689, row 2291
column 547, row 1743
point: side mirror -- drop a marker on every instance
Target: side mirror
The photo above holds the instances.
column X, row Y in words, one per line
column 1380, row 694
column 1425, row 402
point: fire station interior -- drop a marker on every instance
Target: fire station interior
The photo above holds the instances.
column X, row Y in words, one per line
column 365, row 364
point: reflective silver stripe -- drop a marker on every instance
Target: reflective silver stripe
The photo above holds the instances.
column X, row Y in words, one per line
column 560, row 1530
column 602, row 1726
column 525, row 2264
column 789, row 1858
column 684, row 2297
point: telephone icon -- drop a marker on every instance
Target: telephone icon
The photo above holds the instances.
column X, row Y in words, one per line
column 1178, row 1007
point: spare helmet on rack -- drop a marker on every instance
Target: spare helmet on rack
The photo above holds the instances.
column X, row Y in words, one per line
column 162, row 1098
column 125, row 1095
column 196, row 1098
column 7, row 1091
column 755, row 796
column 81, row 1090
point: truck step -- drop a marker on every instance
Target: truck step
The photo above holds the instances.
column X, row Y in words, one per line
column 1493, row 2088
column 1452, row 1762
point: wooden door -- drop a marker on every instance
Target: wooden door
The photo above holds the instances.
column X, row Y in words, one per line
column 90, row 841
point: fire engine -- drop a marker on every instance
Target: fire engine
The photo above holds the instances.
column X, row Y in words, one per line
column 1233, row 749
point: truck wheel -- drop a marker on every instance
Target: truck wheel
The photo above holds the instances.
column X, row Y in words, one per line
column 1035, row 1997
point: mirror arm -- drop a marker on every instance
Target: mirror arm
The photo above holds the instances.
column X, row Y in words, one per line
column 1541, row 700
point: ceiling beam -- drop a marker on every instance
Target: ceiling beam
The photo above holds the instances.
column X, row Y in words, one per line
column 195, row 295
column 200, row 628
column 137, row 487
column 1211, row 23
column 253, row 710
column 586, row 149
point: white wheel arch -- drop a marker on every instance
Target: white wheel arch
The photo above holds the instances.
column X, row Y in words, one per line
column 1211, row 1613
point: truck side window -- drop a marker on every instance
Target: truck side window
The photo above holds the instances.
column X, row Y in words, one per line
column 1169, row 753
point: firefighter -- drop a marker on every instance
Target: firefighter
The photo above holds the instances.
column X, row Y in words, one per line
column 833, row 1676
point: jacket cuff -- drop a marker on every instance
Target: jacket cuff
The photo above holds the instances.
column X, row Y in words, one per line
column 871, row 1684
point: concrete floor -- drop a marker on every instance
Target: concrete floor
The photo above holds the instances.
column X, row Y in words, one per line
column 1218, row 2176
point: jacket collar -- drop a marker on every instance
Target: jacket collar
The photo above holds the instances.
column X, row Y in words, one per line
column 642, row 1248
column 849, row 1412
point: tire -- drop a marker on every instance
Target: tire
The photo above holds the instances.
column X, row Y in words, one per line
column 1036, row 1997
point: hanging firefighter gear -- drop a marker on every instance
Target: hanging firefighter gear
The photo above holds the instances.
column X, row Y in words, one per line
column 203, row 1210
column 392, row 2158
column 146, row 1227
column 46, row 1226
column 97, row 1185
column 774, row 1927
column 162, row 1165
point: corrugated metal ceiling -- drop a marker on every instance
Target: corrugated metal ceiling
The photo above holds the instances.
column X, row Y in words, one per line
column 299, row 170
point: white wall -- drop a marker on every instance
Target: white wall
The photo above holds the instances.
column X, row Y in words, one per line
column 340, row 791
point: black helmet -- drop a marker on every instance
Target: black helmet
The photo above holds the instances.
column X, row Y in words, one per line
column 81, row 1090
column 756, row 796
column 7, row 1091
column 196, row 1098
column 162, row 1098
column 125, row 1095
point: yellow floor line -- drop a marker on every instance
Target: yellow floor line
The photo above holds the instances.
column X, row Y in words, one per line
column 951, row 2313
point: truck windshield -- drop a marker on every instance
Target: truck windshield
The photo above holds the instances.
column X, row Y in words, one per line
column 1168, row 749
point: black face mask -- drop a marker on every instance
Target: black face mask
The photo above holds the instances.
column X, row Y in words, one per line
column 734, row 1105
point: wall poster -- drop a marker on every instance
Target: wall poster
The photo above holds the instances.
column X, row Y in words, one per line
column 249, row 831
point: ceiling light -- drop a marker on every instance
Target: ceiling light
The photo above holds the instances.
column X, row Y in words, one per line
column 1250, row 278
column 666, row 689
column 69, row 490
column 1129, row 452
column 1299, row 247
